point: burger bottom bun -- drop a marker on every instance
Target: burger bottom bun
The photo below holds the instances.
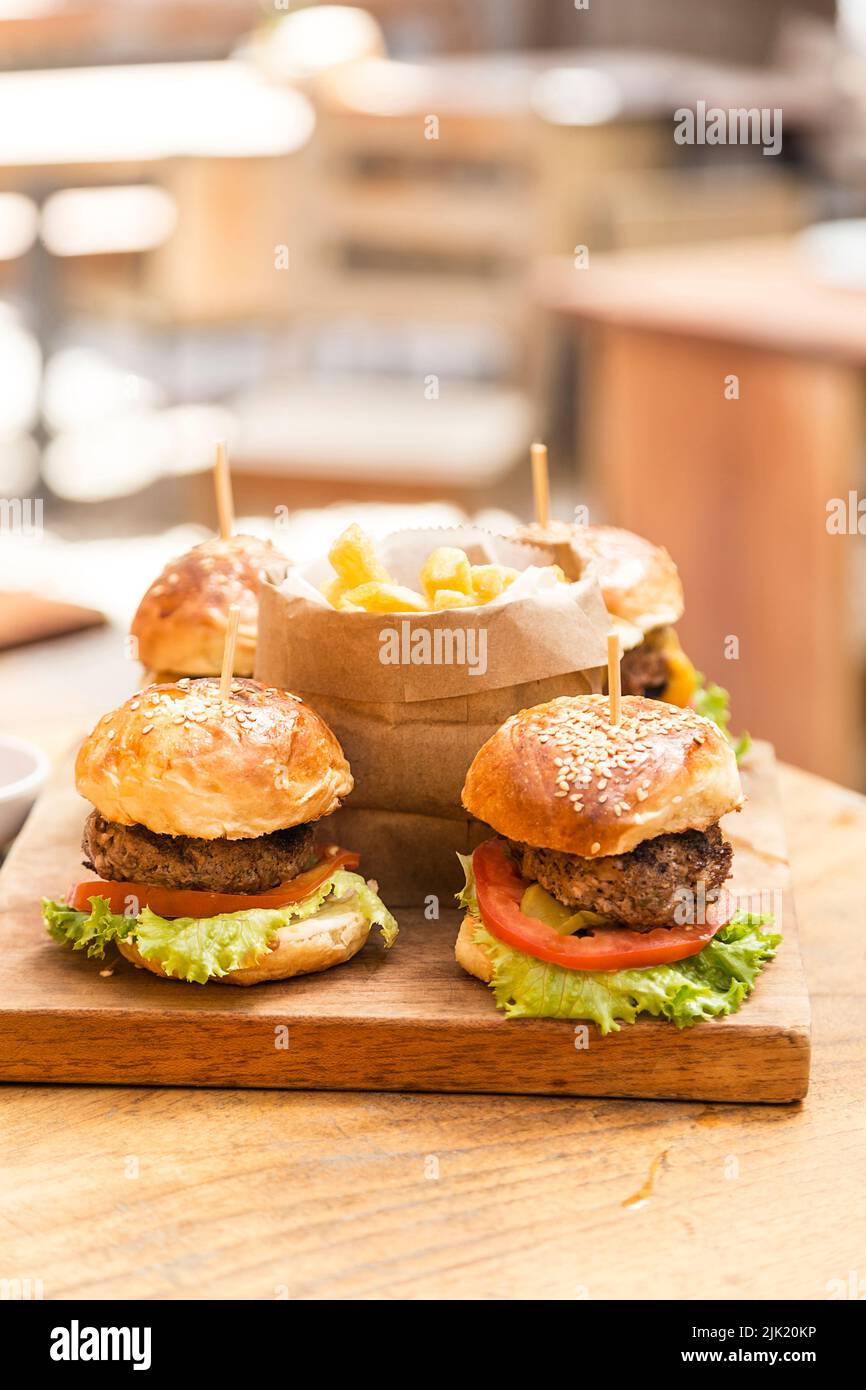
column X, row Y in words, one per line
column 328, row 939
column 469, row 954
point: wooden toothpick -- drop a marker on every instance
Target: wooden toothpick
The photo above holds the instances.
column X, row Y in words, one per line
column 614, row 687
column 540, row 483
column 229, row 652
column 223, row 484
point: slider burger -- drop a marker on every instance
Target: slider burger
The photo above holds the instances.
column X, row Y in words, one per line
column 201, row 845
column 642, row 591
column 180, row 624
column 600, row 895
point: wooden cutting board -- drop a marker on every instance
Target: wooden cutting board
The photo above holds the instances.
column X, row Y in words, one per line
column 409, row 1019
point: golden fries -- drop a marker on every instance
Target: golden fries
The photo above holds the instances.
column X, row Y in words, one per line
column 489, row 581
column 377, row 597
column 452, row 598
column 335, row 590
column 362, row 584
column 446, row 568
column 354, row 557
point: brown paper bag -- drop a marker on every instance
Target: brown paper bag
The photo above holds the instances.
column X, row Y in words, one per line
column 412, row 697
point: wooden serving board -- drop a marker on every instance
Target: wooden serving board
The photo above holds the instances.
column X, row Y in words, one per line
column 409, row 1019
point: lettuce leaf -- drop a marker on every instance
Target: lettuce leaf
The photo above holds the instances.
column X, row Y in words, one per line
column 198, row 949
column 714, row 982
column 467, row 896
column 90, row 931
column 202, row 948
column 714, row 702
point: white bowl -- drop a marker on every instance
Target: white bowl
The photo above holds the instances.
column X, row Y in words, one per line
column 24, row 769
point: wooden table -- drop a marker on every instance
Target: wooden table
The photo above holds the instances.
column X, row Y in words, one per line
column 737, row 488
column 131, row 1193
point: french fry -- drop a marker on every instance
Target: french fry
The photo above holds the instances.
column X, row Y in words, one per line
column 452, row 598
column 489, row 581
column 361, row 582
column 334, row 590
column 377, row 597
column 446, row 568
column 354, row 557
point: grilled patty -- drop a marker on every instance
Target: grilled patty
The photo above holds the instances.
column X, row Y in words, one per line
column 637, row 889
column 134, row 853
column 644, row 671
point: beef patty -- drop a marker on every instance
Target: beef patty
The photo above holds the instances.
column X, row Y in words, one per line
column 134, row 853
column 644, row 671
column 640, row 889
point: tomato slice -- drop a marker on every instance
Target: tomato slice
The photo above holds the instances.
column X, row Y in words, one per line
column 500, row 888
column 191, row 902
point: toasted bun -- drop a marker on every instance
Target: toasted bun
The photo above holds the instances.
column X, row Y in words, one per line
column 181, row 761
column 469, row 954
column 318, row 943
column 639, row 581
column 560, row 776
column 181, row 622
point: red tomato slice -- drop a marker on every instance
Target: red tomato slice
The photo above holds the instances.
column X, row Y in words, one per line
column 190, row 902
column 500, row 888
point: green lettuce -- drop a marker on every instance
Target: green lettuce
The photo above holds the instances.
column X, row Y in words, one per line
column 714, row 702
column 467, row 897
column 198, row 949
column 90, row 931
column 713, row 982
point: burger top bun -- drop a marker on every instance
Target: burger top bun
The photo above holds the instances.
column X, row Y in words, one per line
column 181, row 761
column 560, row 776
column 639, row 581
column 181, row 622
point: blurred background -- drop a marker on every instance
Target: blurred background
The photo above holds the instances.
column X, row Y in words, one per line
column 380, row 250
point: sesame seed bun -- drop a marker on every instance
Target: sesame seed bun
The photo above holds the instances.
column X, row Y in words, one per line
column 180, row 624
column 303, row 948
column 639, row 581
column 560, row 776
column 181, row 761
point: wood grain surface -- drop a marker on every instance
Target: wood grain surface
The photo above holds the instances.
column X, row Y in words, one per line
column 408, row 1019
column 129, row 1192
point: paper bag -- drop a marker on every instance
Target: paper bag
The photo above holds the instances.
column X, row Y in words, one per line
column 412, row 697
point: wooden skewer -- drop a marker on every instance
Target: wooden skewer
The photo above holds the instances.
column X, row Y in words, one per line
column 614, row 685
column 229, row 652
column 223, row 484
column 540, row 483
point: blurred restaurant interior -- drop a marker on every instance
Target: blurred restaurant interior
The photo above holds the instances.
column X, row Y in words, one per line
column 381, row 250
